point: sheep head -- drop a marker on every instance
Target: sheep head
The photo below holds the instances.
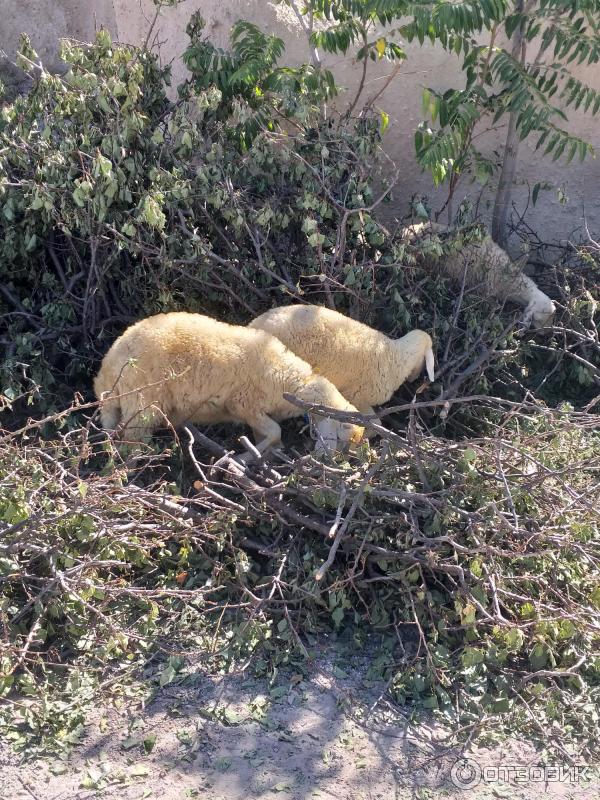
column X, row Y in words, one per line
column 319, row 390
column 331, row 432
column 539, row 311
column 415, row 351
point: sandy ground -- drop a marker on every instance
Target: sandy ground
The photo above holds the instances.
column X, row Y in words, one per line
column 238, row 738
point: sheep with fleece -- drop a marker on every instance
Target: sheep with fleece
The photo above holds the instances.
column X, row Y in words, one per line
column 365, row 365
column 190, row 368
column 484, row 262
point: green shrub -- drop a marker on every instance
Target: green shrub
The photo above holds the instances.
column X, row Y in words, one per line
column 116, row 203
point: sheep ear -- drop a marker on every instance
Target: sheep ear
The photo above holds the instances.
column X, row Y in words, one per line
column 430, row 364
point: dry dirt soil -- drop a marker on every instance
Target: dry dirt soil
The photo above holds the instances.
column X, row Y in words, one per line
column 325, row 736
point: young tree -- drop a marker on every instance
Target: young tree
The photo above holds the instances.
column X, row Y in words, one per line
column 516, row 56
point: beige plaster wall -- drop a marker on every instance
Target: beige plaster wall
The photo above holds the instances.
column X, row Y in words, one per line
column 47, row 21
column 129, row 21
column 402, row 101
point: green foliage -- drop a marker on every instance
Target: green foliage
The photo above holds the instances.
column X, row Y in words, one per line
column 500, row 80
column 73, row 193
column 247, row 75
column 117, row 203
column 336, row 25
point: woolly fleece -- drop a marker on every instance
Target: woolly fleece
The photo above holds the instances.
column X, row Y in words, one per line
column 486, row 264
column 191, row 368
column 365, row 365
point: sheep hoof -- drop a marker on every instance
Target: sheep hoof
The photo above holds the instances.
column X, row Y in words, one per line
column 543, row 321
column 526, row 319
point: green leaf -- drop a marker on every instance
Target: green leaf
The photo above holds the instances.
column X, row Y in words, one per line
column 538, row 658
column 130, row 743
column 471, row 656
column 153, row 213
column 476, row 568
column 337, row 616
column 168, row 675
column 514, row 639
column 385, row 121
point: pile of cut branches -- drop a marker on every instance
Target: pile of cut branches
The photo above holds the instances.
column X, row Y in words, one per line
column 474, row 563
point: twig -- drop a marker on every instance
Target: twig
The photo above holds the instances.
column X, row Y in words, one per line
column 370, row 103
column 320, row 573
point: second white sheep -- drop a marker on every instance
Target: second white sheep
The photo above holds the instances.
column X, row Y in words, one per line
column 484, row 264
column 365, row 365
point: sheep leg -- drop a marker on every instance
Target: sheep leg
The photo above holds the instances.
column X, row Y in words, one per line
column 266, row 434
column 539, row 311
column 539, row 308
column 368, row 410
column 327, row 435
column 527, row 317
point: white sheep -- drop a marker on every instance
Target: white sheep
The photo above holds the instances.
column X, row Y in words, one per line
column 365, row 365
column 485, row 263
column 185, row 367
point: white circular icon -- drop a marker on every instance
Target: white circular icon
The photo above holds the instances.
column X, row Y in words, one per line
column 465, row 774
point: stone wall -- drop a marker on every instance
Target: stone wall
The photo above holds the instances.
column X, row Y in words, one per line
column 129, row 20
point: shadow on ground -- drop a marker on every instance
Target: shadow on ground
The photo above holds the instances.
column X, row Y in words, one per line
column 239, row 738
